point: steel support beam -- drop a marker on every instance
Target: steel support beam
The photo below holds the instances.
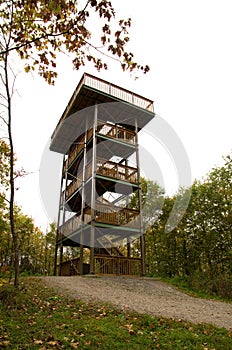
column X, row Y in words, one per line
column 93, row 191
column 140, row 203
column 58, row 223
column 83, row 200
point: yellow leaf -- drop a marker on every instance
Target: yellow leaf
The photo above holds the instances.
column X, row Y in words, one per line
column 5, row 343
column 53, row 343
column 2, row 282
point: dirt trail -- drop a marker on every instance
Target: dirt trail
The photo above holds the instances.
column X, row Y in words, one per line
column 144, row 295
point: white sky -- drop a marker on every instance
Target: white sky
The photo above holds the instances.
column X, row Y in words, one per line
column 189, row 49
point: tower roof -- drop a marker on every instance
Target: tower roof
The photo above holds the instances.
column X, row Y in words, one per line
column 115, row 104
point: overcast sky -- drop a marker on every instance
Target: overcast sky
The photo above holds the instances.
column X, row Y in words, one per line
column 188, row 47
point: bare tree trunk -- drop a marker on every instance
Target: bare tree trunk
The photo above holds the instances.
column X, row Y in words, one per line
column 12, row 184
column 6, row 41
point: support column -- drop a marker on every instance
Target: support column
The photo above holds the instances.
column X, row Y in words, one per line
column 140, row 203
column 61, row 258
column 83, row 199
column 128, row 245
column 63, row 216
column 56, row 252
column 93, row 193
column 58, row 223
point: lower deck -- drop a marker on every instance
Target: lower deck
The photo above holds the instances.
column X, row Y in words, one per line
column 104, row 265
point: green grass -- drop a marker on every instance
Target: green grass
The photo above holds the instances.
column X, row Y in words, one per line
column 35, row 317
column 182, row 283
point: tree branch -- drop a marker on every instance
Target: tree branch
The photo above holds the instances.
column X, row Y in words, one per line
column 2, row 104
column 44, row 36
column 5, row 199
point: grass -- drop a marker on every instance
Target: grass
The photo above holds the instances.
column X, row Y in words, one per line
column 35, row 317
column 183, row 284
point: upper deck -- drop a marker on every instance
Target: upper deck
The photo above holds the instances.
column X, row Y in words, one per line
column 115, row 103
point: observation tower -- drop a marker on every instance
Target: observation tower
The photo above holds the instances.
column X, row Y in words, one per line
column 100, row 207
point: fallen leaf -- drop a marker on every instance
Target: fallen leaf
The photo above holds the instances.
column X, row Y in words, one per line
column 88, row 342
column 74, row 345
column 53, row 342
column 4, row 343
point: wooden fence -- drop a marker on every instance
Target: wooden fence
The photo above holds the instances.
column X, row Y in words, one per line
column 117, row 265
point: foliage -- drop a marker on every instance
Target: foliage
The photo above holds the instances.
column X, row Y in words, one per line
column 39, row 30
column 209, row 227
column 4, row 164
column 36, row 249
column 35, row 317
column 152, row 201
column 200, row 286
column 200, row 246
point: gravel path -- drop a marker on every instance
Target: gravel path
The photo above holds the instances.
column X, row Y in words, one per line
column 144, row 295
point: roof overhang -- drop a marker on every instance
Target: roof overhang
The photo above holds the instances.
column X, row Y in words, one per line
column 120, row 107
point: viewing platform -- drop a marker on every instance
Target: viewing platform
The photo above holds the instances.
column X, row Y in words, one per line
column 107, row 170
column 106, row 131
column 104, row 214
column 92, row 91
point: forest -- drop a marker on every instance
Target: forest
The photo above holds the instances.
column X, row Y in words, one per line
column 198, row 251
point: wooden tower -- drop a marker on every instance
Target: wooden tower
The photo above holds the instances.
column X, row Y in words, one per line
column 100, row 209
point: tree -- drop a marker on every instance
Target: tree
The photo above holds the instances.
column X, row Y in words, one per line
column 4, row 166
column 7, row 98
column 50, row 241
column 199, row 248
column 37, row 31
column 36, row 249
column 42, row 29
column 210, row 225
column 4, row 184
column 152, row 201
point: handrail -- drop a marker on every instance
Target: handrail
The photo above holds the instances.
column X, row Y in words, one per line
column 111, row 214
column 106, row 129
column 110, row 89
column 118, row 92
column 119, row 265
column 105, row 168
column 117, row 171
column 71, row 225
column 106, row 214
column 77, row 147
column 116, row 132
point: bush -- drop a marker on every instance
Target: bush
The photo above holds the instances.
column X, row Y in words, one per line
column 204, row 285
column 220, row 285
